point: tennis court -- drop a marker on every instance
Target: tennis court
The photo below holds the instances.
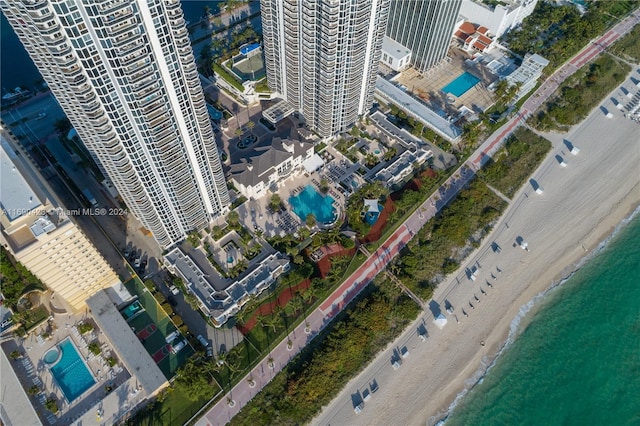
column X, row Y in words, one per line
column 152, row 326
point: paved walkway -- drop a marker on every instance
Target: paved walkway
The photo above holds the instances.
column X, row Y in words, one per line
column 242, row 393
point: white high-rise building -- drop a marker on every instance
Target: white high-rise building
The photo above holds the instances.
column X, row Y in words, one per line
column 424, row 27
column 322, row 57
column 124, row 73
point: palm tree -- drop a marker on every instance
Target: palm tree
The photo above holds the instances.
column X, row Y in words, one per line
column 238, row 132
column 294, row 305
column 250, row 126
column 272, row 321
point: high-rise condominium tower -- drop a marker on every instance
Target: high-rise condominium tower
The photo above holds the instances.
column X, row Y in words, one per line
column 322, row 57
column 124, row 73
column 425, row 27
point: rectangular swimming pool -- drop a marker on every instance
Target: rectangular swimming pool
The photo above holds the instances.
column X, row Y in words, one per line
column 70, row 372
column 309, row 201
column 132, row 310
column 461, row 84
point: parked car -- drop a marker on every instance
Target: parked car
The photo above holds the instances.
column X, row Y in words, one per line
column 373, row 386
column 202, row 340
column 171, row 337
column 136, row 263
column 358, row 408
column 176, row 348
column 174, row 290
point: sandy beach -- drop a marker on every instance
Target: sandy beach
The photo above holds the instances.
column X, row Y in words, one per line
column 581, row 205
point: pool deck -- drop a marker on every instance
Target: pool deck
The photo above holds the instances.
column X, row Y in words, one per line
column 32, row 370
column 428, row 88
column 256, row 212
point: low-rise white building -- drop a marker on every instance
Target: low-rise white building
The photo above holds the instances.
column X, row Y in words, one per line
column 218, row 303
column 499, row 18
column 394, row 55
column 267, row 166
column 402, row 167
column 527, row 74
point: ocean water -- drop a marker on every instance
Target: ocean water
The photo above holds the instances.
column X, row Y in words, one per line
column 577, row 360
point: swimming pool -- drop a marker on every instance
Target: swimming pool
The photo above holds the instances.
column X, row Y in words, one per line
column 309, row 201
column 70, row 372
column 132, row 310
column 461, row 85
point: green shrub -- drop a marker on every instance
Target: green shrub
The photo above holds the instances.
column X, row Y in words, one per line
column 94, row 348
column 85, row 327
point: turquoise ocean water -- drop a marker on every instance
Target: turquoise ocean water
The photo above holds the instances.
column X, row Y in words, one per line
column 577, row 360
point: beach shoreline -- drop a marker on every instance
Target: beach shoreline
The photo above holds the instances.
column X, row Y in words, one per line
column 499, row 341
column 581, row 206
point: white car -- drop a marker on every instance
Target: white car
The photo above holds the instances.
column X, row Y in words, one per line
column 171, row 337
column 395, row 365
column 176, row 348
column 358, row 408
column 174, row 290
column 563, row 163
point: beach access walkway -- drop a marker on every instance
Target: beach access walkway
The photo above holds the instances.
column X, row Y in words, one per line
column 227, row 407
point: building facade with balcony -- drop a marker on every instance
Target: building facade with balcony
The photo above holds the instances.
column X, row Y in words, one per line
column 124, row 73
column 39, row 232
column 424, row 27
column 322, row 57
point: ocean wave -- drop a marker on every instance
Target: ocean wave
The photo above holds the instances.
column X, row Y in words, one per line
column 486, row 363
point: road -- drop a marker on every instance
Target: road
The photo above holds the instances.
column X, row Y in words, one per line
column 338, row 413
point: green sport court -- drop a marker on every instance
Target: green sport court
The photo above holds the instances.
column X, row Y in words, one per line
column 152, row 326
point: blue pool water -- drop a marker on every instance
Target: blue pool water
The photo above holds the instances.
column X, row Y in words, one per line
column 70, row 372
column 132, row 310
column 309, row 201
column 461, row 85
column 214, row 113
column 246, row 49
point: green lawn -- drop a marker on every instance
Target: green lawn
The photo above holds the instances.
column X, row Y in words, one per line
column 580, row 93
column 513, row 164
column 628, row 47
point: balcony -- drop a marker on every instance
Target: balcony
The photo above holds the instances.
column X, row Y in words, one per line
column 118, row 15
column 129, row 49
column 110, row 6
column 144, row 72
column 129, row 37
column 116, row 29
column 137, row 66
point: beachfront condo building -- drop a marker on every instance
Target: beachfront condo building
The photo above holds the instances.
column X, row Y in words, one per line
column 124, row 73
column 424, row 27
column 322, row 57
column 38, row 231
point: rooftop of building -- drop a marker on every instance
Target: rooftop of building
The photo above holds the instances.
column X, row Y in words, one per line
column 222, row 296
column 394, row 49
column 130, row 351
column 16, row 407
column 417, row 109
column 18, row 197
column 260, row 163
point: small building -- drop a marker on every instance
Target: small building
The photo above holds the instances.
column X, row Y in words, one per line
column 394, row 55
column 498, row 18
column 474, row 37
column 267, row 166
column 402, row 167
column 527, row 74
column 389, row 92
